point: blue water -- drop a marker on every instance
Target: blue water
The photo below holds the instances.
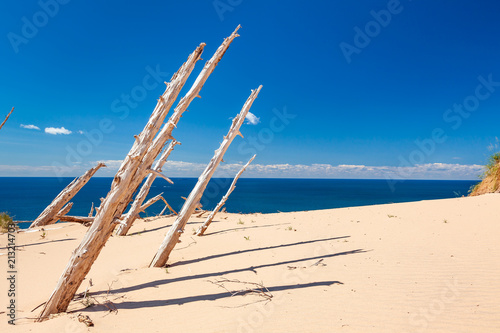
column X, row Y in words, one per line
column 26, row 198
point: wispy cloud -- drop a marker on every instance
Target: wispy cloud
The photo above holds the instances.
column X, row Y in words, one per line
column 252, row 119
column 345, row 171
column 80, row 132
column 57, row 130
column 33, row 127
column 228, row 170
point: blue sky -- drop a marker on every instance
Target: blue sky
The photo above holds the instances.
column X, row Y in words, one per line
column 351, row 89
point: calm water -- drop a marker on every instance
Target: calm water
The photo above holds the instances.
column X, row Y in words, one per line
column 26, row 198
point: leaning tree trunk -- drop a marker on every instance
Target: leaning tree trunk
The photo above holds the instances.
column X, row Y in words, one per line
column 134, row 168
column 193, row 92
column 6, row 118
column 201, row 230
column 175, row 231
column 134, row 210
column 130, row 172
column 50, row 214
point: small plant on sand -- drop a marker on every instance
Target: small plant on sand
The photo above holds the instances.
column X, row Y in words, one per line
column 289, row 228
column 445, row 221
column 247, row 237
column 88, row 302
column 389, row 215
column 43, row 233
column 5, row 222
column 241, row 222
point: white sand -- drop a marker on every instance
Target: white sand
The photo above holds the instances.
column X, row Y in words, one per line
column 430, row 266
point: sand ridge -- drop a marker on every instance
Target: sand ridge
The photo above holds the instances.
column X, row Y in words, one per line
column 429, row 266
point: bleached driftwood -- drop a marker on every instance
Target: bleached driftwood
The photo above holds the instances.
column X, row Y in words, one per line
column 143, row 193
column 6, row 118
column 128, row 178
column 201, row 230
column 193, row 92
column 149, row 203
column 65, row 209
column 169, row 207
column 91, row 210
column 90, row 219
column 49, row 215
column 77, row 219
column 125, row 182
column 175, row 231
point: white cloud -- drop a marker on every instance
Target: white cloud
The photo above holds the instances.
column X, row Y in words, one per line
column 252, row 119
column 56, row 130
column 419, row 171
column 110, row 164
column 229, row 170
column 30, row 127
column 80, row 132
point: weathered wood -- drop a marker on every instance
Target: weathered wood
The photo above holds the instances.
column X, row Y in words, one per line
column 65, row 210
column 125, row 182
column 77, row 219
column 49, row 215
column 6, row 118
column 165, row 133
column 169, row 207
column 159, row 174
column 173, row 235
column 150, row 202
column 201, row 230
column 193, row 92
column 90, row 219
column 143, row 193
column 91, row 210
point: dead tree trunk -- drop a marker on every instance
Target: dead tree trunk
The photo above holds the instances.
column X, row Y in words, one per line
column 65, row 210
column 161, row 257
column 49, row 215
column 131, row 172
column 128, row 178
column 193, row 92
column 201, row 230
column 6, row 118
column 133, row 213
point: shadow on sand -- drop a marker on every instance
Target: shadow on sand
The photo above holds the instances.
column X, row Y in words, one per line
column 208, row 297
column 157, row 283
column 215, row 256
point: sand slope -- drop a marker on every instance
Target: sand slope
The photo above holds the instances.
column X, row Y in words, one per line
column 430, row 266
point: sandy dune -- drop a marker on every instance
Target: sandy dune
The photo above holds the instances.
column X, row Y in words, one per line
column 430, row 266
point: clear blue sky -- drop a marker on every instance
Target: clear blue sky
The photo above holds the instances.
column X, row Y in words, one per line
column 360, row 101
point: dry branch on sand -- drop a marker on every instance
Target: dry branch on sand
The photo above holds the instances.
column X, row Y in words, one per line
column 135, row 167
column 175, row 231
column 51, row 214
column 248, row 288
column 201, row 230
